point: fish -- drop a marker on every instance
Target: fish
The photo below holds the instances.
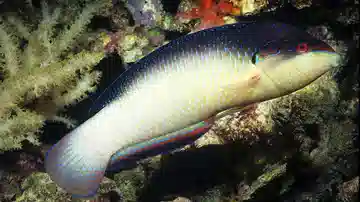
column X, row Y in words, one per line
column 174, row 95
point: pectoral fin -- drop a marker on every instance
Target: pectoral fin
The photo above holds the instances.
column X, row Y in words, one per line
column 233, row 111
column 240, row 91
column 245, row 84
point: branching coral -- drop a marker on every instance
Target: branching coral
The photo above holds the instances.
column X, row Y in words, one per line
column 40, row 74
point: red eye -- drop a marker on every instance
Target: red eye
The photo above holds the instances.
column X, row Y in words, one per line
column 302, row 48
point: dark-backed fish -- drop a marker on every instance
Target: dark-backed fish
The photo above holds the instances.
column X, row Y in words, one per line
column 173, row 95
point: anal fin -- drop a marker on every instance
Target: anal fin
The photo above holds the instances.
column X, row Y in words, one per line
column 159, row 145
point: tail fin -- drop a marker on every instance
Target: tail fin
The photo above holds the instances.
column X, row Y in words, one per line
column 76, row 166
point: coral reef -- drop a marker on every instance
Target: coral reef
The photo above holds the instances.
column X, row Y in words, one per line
column 249, row 6
column 210, row 14
column 148, row 13
column 39, row 187
column 215, row 13
column 40, row 74
column 300, row 147
column 245, row 192
column 133, row 43
column 9, row 186
column 349, row 190
column 130, row 183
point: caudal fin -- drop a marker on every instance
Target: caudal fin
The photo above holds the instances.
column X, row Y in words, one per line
column 76, row 165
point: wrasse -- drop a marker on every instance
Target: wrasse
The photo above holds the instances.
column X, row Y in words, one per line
column 173, row 95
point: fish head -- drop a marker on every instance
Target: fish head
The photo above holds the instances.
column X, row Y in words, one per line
column 293, row 61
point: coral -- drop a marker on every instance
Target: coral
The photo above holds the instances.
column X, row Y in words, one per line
column 216, row 13
column 40, row 73
column 350, row 16
column 9, row 186
column 299, row 147
column 39, row 187
column 22, row 163
column 181, row 199
column 112, row 16
column 130, row 182
column 317, row 119
column 71, row 8
column 208, row 138
column 172, row 23
column 305, row 106
column 245, row 192
column 134, row 43
column 248, row 6
column 334, row 141
column 148, row 13
column 131, row 47
column 110, row 41
column 210, row 14
column 212, row 195
column 299, row 4
column 349, row 191
column 156, row 37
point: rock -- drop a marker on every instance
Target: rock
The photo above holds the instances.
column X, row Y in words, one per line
column 38, row 187
column 181, row 199
column 208, row 139
column 130, row 182
column 349, row 191
column 299, row 4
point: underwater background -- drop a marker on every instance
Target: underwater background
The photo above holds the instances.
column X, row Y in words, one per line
column 56, row 56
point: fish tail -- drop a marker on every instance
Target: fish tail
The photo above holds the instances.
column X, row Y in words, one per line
column 77, row 165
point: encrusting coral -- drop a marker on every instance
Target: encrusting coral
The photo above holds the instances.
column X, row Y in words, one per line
column 40, row 74
column 38, row 187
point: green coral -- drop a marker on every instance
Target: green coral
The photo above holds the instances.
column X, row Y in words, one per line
column 9, row 185
column 38, row 187
column 318, row 105
column 131, row 47
column 171, row 23
column 214, row 194
column 247, row 192
column 43, row 75
column 130, row 182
